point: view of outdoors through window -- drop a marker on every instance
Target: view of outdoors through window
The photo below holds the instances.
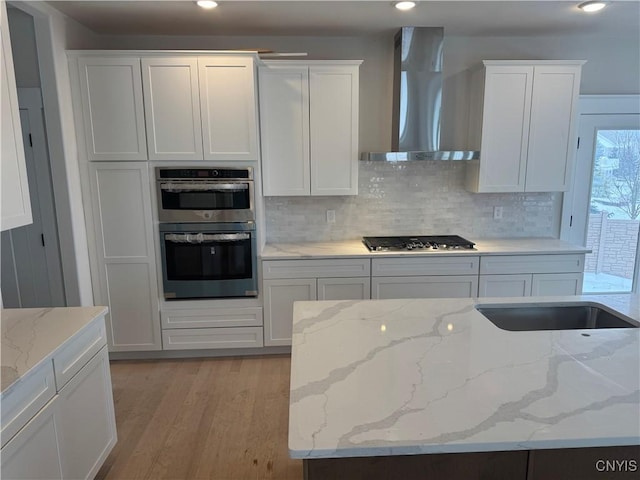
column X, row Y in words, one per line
column 614, row 217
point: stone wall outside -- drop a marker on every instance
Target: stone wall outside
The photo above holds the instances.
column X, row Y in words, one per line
column 618, row 242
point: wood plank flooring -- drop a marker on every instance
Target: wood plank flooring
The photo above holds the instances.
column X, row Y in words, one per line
column 213, row 418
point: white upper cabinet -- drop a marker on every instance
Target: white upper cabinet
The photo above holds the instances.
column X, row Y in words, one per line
column 284, row 128
column 15, row 203
column 553, row 131
column 159, row 106
column 523, row 121
column 112, row 108
column 228, row 104
column 309, row 126
column 172, row 108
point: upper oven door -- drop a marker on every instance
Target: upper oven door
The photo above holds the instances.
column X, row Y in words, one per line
column 205, row 200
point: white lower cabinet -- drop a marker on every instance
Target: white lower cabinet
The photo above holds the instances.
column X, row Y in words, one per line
column 71, row 435
column 531, row 275
column 279, row 296
column 33, row 452
column 289, row 281
column 556, row 284
column 87, row 424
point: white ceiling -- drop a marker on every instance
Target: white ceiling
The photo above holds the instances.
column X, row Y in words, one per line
column 338, row 18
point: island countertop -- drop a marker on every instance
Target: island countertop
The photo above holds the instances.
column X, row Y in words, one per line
column 400, row 377
column 31, row 335
column 355, row 248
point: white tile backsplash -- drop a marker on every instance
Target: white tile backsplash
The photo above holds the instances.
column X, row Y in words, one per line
column 408, row 198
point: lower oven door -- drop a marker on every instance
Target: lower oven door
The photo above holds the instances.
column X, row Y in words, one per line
column 208, row 260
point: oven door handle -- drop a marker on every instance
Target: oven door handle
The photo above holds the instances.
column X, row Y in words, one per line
column 205, row 237
column 206, row 187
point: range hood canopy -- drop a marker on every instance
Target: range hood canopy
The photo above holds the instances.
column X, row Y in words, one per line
column 417, row 99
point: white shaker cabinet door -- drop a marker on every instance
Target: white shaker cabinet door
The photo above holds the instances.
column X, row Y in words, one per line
column 279, row 296
column 552, row 133
column 505, row 128
column 284, row 130
column 125, row 255
column 87, row 430
column 112, row 108
column 544, row 284
column 15, row 204
column 33, row 453
column 228, row 105
column 172, row 108
column 333, row 109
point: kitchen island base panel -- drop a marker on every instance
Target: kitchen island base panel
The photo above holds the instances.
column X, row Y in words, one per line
column 450, row 466
column 612, row 463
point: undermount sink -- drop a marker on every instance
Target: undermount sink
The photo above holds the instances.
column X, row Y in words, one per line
column 525, row 318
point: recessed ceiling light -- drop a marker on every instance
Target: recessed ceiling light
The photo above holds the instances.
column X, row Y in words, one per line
column 207, row 4
column 404, row 5
column 592, row 6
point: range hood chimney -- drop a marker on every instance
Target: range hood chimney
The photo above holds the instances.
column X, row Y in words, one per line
column 417, row 97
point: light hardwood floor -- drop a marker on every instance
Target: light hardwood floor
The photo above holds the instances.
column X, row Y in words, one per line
column 215, row 418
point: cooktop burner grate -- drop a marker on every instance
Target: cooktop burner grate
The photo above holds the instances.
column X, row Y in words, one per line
column 418, row 242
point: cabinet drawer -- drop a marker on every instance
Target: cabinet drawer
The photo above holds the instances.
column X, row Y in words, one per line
column 434, row 286
column 503, row 264
column 25, row 398
column 70, row 359
column 216, row 317
column 204, row 338
column 351, row 267
column 389, row 267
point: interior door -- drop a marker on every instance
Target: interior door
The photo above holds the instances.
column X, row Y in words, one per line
column 603, row 211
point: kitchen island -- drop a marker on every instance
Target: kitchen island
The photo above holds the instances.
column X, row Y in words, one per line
column 58, row 419
column 411, row 382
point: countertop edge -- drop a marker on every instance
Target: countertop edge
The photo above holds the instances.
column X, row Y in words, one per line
column 356, row 249
column 100, row 313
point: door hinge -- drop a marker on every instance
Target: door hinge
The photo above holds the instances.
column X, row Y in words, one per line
column 30, row 140
column 42, row 238
column 571, row 221
column 578, row 146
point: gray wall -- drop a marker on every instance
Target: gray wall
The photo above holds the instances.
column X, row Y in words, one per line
column 23, row 45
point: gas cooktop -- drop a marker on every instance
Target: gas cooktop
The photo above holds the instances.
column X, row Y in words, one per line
column 424, row 242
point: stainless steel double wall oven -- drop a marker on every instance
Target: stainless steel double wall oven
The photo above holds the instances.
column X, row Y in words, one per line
column 207, row 232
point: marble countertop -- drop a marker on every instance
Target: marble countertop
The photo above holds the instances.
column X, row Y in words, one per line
column 31, row 335
column 399, row 377
column 355, row 248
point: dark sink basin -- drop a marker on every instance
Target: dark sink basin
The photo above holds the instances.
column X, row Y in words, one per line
column 519, row 318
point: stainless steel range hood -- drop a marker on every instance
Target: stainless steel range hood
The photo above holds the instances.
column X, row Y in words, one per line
column 417, row 97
